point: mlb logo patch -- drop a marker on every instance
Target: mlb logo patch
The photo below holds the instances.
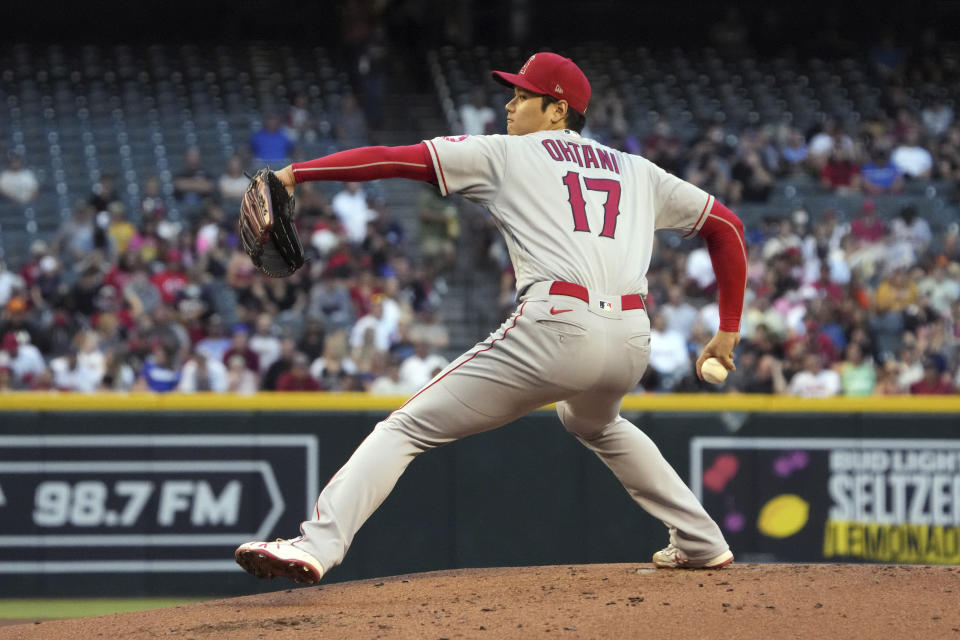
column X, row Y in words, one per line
column 605, row 306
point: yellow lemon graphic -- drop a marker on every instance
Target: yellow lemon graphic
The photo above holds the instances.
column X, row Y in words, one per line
column 783, row 516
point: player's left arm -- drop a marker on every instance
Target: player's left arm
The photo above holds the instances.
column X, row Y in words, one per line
column 363, row 164
column 723, row 232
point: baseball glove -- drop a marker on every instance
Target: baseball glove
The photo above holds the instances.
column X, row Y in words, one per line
column 266, row 226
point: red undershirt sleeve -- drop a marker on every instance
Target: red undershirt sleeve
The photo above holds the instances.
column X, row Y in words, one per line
column 723, row 233
column 369, row 163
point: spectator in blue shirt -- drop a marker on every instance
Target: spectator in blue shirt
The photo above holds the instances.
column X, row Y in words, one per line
column 160, row 372
column 880, row 176
column 794, row 153
column 270, row 145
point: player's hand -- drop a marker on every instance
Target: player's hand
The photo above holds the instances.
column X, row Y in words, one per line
column 286, row 177
column 721, row 347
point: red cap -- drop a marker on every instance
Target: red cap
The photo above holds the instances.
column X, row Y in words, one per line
column 10, row 342
column 553, row 75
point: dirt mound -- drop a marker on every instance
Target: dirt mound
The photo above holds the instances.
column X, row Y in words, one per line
column 579, row 601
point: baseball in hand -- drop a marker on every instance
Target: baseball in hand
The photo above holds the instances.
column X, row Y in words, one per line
column 713, row 371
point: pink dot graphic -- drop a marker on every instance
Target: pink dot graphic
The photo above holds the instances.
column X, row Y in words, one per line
column 734, row 522
column 790, row 462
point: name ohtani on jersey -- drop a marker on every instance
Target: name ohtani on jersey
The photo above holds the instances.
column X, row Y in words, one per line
column 584, row 155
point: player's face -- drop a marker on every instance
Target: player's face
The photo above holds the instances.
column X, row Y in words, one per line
column 524, row 114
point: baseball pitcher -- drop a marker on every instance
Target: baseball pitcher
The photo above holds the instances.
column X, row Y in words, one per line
column 579, row 221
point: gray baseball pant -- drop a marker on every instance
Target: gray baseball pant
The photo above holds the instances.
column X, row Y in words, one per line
column 554, row 348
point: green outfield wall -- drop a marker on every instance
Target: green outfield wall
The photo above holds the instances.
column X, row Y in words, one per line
column 142, row 494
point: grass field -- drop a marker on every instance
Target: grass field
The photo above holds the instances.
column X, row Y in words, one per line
column 23, row 609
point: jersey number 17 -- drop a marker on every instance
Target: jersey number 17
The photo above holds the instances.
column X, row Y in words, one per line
column 611, row 207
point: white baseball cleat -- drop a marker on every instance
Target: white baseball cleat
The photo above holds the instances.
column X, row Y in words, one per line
column 278, row 559
column 673, row 558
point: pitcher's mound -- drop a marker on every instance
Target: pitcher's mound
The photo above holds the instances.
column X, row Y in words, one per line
column 579, row 601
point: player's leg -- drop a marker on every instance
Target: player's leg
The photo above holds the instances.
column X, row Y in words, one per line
column 434, row 418
column 646, row 475
column 516, row 370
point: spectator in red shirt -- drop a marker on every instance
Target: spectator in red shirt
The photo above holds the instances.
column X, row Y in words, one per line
column 841, row 172
column 172, row 279
column 240, row 345
column 867, row 227
column 30, row 271
column 121, row 273
column 813, row 341
column 298, row 378
column 362, row 292
column 826, row 287
column 933, row 381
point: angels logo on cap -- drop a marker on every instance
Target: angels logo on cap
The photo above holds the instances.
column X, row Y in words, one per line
column 523, row 69
column 553, row 75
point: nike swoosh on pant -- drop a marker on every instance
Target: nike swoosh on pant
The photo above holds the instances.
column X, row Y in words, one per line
column 554, row 311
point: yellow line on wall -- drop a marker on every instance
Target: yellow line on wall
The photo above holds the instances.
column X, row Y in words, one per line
column 208, row 401
column 41, row 401
column 758, row 403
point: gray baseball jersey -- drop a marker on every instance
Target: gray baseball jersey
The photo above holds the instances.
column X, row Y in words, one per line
column 570, row 208
column 578, row 218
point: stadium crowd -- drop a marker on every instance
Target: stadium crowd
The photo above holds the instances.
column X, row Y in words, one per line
column 834, row 306
column 107, row 304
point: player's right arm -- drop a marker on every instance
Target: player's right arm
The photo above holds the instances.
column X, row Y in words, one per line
column 363, row 164
column 469, row 165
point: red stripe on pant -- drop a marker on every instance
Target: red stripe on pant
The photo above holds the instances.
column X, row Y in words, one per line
column 445, row 374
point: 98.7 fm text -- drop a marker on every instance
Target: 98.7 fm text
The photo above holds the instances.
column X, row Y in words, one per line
column 142, row 504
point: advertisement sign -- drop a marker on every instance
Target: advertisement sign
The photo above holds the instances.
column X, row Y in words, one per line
column 132, row 503
column 832, row 500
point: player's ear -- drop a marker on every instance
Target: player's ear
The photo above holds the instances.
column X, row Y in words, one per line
column 560, row 108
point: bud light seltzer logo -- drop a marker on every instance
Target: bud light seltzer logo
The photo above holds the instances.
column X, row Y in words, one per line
column 833, row 499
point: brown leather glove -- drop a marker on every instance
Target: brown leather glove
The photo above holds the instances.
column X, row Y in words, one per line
column 266, row 226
